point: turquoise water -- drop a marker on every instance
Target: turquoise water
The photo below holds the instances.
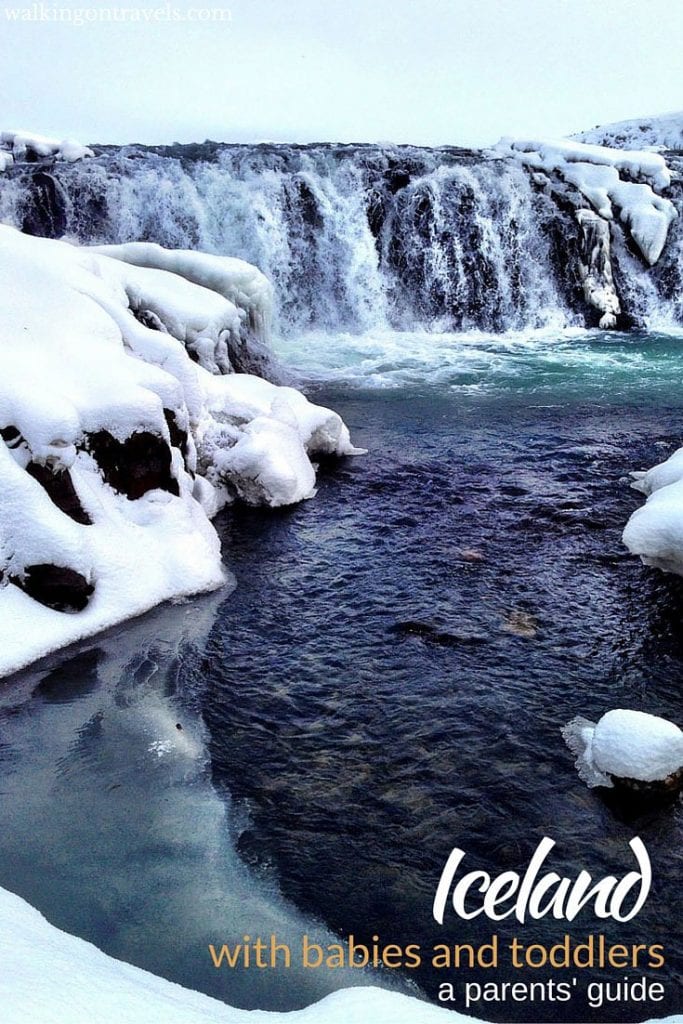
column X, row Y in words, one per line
column 568, row 365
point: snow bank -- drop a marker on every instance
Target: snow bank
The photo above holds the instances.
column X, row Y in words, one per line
column 621, row 181
column 55, row 978
column 122, row 428
column 237, row 281
column 19, row 145
column 625, row 745
column 655, row 531
column 664, row 131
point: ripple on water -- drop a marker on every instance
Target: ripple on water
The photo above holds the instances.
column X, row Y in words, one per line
column 391, row 677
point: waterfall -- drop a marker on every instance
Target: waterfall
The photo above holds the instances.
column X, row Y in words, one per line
column 353, row 237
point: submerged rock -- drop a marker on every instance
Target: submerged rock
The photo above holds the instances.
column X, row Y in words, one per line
column 520, row 623
column 472, row 555
column 440, row 637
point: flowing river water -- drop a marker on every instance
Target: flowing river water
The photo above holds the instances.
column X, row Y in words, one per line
column 387, row 680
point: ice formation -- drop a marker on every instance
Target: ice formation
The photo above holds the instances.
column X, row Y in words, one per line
column 655, row 531
column 595, row 267
column 613, row 181
column 19, row 145
column 238, row 282
column 122, row 430
column 625, row 745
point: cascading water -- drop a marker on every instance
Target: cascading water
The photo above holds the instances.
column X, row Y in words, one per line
column 475, row 241
column 354, row 238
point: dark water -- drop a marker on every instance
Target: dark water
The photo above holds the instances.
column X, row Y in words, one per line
column 387, row 681
column 370, row 696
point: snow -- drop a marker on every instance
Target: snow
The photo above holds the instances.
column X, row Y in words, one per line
column 18, row 145
column 559, row 154
column 655, row 531
column 661, row 475
column 237, row 281
column 75, row 361
column 625, row 744
column 621, row 182
column 55, row 978
column 275, row 430
column 664, row 131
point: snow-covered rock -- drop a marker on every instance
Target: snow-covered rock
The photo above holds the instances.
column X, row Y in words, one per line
column 122, row 428
column 624, row 183
column 628, row 745
column 237, row 281
column 655, row 531
column 19, row 145
column 664, row 131
column 257, row 439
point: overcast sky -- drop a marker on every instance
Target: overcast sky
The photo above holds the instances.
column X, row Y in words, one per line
column 422, row 71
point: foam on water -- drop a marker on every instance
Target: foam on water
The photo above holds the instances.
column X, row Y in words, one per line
column 477, row 360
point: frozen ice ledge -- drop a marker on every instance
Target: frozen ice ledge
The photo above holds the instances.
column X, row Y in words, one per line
column 124, row 428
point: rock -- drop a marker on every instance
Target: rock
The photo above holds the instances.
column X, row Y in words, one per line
column 520, row 623
column 135, row 466
column 11, row 436
column 45, row 212
column 179, row 437
column 307, row 204
column 61, row 491
column 55, row 586
column 671, row 785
